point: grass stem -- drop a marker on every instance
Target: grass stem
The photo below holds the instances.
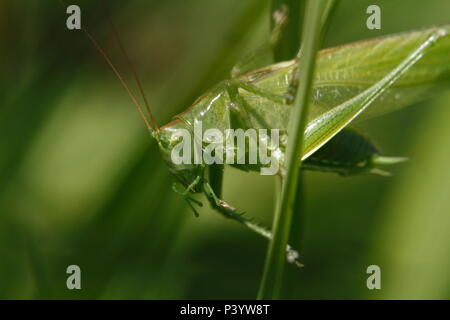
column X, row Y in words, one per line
column 272, row 280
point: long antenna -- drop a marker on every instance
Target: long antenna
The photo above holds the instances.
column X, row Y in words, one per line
column 130, row 93
column 116, row 72
column 131, row 67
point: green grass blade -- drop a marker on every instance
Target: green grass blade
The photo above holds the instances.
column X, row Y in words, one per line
column 274, row 267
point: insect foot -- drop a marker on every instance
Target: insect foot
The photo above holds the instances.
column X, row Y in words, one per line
column 292, row 257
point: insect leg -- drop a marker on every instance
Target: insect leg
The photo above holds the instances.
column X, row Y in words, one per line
column 231, row 212
column 192, row 185
column 293, row 86
column 239, row 105
column 242, row 108
column 185, row 194
column 277, row 98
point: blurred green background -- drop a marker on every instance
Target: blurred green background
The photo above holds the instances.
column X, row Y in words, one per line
column 82, row 182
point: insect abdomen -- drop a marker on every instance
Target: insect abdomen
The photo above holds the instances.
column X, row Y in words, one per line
column 347, row 153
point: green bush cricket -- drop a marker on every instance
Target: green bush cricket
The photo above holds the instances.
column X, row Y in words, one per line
column 352, row 82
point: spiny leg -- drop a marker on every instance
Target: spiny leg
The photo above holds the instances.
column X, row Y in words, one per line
column 231, row 212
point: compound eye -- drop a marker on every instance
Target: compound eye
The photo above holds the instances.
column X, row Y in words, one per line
column 164, row 143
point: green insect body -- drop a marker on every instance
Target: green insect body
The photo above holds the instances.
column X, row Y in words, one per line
column 352, row 83
column 256, row 99
column 379, row 75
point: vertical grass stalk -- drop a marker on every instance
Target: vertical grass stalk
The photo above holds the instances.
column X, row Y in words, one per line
column 272, row 279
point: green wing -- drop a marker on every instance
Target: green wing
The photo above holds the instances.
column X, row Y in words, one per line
column 344, row 72
column 352, row 83
column 358, row 81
